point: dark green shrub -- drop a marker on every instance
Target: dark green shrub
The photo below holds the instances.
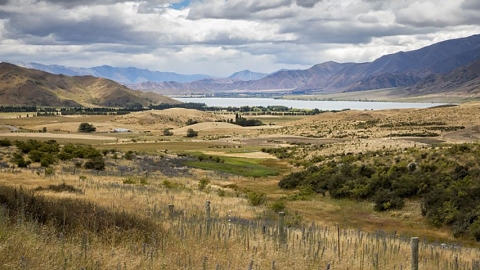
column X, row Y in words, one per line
column 5, row 142
column 96, row 163
column 191, row 133
column 86, row 128
column 387, row 200
column 129, row 155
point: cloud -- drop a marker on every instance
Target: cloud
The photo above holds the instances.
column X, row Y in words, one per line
column 220, row 36
column 470, row 5
column 430, row 14
column 233, row 9
column 82, row 25
column 307, row 3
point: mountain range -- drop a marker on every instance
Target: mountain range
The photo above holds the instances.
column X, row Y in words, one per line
column 22, row 86
column 401, row 69
column 129, row 75
column 423, row 71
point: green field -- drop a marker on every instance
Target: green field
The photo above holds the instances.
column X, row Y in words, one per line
column 238, row 166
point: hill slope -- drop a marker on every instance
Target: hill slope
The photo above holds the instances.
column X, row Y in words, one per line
column 464, row 80
column 400, row 69
column 22, row 86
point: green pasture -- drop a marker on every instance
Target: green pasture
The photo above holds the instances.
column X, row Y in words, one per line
column 247, row 167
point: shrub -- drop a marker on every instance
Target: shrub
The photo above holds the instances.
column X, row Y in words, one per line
column 5, row 142
column 221, row 193
column 191, row 122
column 96, row 163
column 129, row 155
column 47, row 160
column 256, row 198
column 191, row 133
column 171, row 185
column 130, row 181
column 278, row 205
column 386, row 200
column 167, row 132
column 203, row 183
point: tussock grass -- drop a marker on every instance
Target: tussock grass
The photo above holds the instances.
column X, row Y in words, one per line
column 69, row 215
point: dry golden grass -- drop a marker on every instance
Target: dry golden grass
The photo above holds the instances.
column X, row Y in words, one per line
column 185, row 242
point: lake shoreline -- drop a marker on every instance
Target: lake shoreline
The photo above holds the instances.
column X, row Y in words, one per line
column 324, row 105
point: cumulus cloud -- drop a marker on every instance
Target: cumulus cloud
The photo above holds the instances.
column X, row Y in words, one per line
column 307, row 3
column 233, row 9
column 219, row 36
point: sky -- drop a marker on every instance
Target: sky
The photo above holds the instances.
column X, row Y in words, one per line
column 220, row 37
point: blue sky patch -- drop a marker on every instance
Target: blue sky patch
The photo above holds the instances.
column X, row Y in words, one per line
column 180, row 5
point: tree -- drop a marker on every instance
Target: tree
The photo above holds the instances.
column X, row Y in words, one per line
column 191, row 133
column 86, row 127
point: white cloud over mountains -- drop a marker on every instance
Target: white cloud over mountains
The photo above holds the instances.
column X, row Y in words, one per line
column 219, row 37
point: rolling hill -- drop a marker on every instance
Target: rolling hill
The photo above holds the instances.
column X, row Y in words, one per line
column 22, row 86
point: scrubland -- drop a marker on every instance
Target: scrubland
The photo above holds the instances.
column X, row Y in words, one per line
column 147, row 208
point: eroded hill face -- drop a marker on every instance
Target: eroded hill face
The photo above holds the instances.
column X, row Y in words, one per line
column 21, row 86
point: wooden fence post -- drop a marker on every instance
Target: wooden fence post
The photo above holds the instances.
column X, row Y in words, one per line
column 207, row 214
column 281, row 228
column 414, row 244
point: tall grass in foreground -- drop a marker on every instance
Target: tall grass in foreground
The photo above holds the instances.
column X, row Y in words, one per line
column 132, row 227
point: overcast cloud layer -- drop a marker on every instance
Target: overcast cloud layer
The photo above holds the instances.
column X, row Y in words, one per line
column 219, row 37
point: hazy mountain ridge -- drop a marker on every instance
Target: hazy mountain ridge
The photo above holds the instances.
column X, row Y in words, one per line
column 22, row 86
column 247, row 75
column 129, row 75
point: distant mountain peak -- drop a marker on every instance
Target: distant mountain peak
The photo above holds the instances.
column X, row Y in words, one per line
column 247, row 75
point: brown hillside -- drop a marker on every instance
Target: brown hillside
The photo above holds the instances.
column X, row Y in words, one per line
column 21, row 86
column 170, row 118
column 462, row 81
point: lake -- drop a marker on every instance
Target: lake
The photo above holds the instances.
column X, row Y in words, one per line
column 307, row 104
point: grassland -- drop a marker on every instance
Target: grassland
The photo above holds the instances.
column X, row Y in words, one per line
column 321, row 231
column 386, row 95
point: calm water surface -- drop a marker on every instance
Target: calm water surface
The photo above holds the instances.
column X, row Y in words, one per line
column 307, row 104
